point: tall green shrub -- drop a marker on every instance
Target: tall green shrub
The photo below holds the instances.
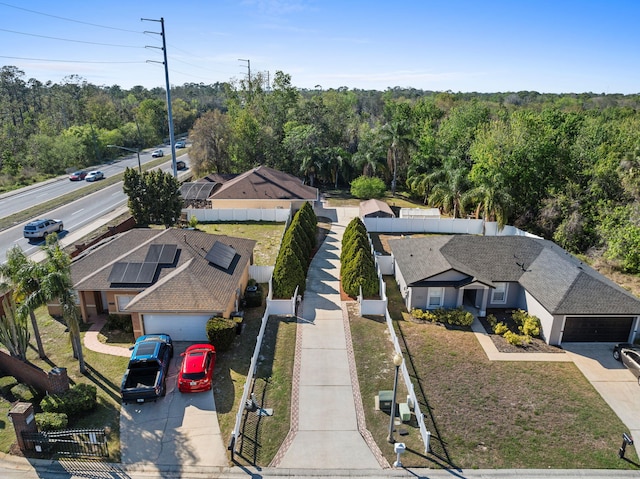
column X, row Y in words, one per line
column 287, row 274
column 221, row 332
column 350, row 248
column 355, row 226
column 360, row 272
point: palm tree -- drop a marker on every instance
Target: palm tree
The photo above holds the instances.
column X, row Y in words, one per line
column 56, row 283
column 493, row 201
column 23, row 276
column 450, row 189
column 396, row 134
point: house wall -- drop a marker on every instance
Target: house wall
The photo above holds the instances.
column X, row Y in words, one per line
column 551, row 326
column 138, row 327
column 451, row 275
column 249, row 204
column 514, row 298
column 402, row 285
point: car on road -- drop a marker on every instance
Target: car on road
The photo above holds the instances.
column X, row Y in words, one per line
column 181, row 144
column 78, row 175
column 157, row 153
column 94, row 176
column 40, row 229
column 196, row 370
column 181, row 165
column 629, row 355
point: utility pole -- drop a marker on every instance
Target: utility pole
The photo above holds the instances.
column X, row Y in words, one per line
column 248, row 70
column 166, row 77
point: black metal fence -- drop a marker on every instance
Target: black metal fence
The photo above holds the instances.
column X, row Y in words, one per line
column 73, row 442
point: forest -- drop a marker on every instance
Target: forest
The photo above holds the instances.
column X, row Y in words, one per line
column 563, row 166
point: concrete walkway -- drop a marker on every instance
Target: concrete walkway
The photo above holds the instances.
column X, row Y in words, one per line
column 92, row 342
column 327, row 427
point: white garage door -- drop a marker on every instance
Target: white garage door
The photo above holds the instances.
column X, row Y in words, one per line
column 181, row 327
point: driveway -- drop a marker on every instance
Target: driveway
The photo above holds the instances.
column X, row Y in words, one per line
column 617, row 385
column 177, row 430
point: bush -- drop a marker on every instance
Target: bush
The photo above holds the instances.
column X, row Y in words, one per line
column 528, row 325
column 121, row 322
column 22, row 392
column 500, row 328
column 221, row 333
column 351, row 248
column 516, row 339
column 365, row 188
column 355, row 226
column 491, row 319
column 6, row 383
column 359, row 273
column 51, row 421
column 74, row 402
column 288, row 273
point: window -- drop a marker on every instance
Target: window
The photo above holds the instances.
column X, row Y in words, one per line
column 499, row 294
column 435, row 298
column 123, row 301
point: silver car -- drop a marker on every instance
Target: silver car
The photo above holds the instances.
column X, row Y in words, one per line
column 39, row 229
column 630, row 357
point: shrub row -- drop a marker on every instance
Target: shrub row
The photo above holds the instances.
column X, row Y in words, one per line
column 358, row 269
column 454, row 317
column 121, row 322
column 293, row 259
column 528, row 327
column 51, row 421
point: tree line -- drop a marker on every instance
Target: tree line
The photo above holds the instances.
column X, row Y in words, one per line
column 564, row 166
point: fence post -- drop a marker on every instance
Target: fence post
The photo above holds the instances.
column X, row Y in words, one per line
column 24, row 421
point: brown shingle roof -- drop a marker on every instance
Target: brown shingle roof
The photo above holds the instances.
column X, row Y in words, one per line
column 264, row 183
column 191, row 284
column 376, row 207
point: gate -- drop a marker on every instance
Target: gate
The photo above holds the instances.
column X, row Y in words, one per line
column 73, row 442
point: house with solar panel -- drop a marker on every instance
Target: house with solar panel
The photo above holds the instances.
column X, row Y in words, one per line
column 169, row 281
column 260, row 187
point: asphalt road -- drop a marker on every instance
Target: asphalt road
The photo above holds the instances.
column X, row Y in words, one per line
column 74, row 215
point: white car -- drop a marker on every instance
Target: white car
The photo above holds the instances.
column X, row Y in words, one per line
column 157, row 153
column 39, row 229
column 94, row 176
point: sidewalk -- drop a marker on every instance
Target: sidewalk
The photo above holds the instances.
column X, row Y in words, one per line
column 327, row 426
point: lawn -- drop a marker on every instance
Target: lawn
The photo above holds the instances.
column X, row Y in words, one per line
column 268, row 236
column 485, row 414
column 104, row 371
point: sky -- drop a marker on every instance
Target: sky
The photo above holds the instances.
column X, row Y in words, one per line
column 560, row 46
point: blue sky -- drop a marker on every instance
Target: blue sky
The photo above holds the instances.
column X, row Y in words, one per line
column 464, row 46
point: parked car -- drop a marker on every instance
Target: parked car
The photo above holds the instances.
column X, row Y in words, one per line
column 196, row 370
column 94, row 176
column 181, row 165
column 181, row 144
column 630, row 357
column 157, row 153
column 146, row 376
column 78, row 175
column 39, row 229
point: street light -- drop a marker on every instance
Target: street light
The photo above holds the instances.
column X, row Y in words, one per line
column 137, row 151
column 397, row 362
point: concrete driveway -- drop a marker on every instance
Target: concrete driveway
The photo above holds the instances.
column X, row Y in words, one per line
column 615, row 383
column 177, row 430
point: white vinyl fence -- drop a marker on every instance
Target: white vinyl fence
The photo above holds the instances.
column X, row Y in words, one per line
column 205, row 215
column 262, row 274
column 441, row 225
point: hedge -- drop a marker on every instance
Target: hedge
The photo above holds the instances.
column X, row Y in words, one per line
column 74, row 402
column 221, row 332
column 51, row 421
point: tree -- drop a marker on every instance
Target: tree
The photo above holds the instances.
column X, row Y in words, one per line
column 154, row 197
column 450, row 187
column 210, row 138
column 14, row 331
column 23, row 276
column 493, row 201
column 396, row 134
column 366, row 188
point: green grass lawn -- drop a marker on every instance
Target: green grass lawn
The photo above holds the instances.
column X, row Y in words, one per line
column 481, row 413
column 268, row 236
column 104, row 371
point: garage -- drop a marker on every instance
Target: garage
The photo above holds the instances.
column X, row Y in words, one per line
column 613, row 329
column 181, row 327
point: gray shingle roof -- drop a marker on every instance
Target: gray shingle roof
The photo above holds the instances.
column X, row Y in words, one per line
column 555, row 278
column 192, row 284
column 264, row 183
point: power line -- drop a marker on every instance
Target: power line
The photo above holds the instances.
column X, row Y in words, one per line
column 59, row 61
column 69, row 19
column 69, row 40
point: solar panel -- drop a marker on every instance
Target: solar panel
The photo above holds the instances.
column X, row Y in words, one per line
column 161, row 253
column 221, row 255
column 131, row 273
column 117, row 272
column 147, row 272
column 168, row 254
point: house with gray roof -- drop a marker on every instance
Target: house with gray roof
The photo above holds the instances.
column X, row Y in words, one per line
column 170, row 281
column 573, row 301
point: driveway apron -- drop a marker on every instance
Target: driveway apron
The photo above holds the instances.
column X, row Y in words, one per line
column 177, row 430
column 325, row 432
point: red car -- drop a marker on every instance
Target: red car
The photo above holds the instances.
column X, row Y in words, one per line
column 197, row 368
column 78, row 175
